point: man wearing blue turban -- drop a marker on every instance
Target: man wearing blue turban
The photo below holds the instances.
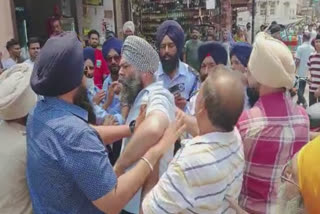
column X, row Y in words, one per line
column 240, row 55
column 178, row 77
column 111, row 51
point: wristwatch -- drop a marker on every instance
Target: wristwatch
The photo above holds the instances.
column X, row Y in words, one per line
column 132, row 126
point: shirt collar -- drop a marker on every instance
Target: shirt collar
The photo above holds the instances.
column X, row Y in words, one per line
column 151, row 86
column 223, row 138
column 18, row 127
column 272, row 96
column 182, row 69
column 61, row 104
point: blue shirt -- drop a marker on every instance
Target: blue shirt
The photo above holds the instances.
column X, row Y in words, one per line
column 185, row 78
column 67, row 164
column 100, row 113
column 114, row 108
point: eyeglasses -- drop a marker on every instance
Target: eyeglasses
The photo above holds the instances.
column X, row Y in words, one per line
column 111, row 58
column 91, row 68
column 209, row 65
column 287, row 177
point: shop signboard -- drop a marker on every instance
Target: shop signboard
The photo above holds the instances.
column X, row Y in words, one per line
column 93, row 2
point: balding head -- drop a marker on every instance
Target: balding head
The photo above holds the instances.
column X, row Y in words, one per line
column 223, row 98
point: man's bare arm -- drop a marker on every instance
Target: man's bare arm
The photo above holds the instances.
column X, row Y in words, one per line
column 147, row 135
column 297, row 63
column 111, row 134
column 129, row 183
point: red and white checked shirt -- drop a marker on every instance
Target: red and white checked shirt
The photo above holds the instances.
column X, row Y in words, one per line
column 272, row 132
column 314, row 68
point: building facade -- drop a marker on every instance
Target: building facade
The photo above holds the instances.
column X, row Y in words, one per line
column 267, row 11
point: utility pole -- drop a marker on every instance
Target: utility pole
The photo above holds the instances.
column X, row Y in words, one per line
column 253, row 19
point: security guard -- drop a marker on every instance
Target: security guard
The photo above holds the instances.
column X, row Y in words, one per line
column 181, row 79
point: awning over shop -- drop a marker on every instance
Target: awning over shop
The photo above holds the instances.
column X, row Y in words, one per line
column 239, row 3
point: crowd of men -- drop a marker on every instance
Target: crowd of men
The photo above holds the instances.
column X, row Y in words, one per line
column 201, row 127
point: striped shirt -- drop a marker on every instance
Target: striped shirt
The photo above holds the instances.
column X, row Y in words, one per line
column 314, row 68
column 272, row 132
column 204, row 171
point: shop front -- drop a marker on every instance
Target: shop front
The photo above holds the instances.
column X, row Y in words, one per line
column 149, row 14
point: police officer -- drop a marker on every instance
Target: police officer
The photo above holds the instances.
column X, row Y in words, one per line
column 181, row 79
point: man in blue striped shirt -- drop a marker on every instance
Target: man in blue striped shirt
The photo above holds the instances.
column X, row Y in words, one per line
column 207, row 168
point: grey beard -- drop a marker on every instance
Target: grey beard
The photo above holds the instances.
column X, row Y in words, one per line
column 289, row 205
column 130, row 90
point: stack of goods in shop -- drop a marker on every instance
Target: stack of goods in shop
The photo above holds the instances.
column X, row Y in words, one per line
column 149, row 14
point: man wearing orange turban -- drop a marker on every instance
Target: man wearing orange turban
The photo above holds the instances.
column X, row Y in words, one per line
column 300, row 192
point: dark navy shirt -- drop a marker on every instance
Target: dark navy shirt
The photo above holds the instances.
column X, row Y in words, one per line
column 67, row 165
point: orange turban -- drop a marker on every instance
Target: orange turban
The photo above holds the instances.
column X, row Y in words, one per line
column 309, row 175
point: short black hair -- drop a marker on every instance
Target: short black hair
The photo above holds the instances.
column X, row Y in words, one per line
column 54, row 19
column 195, row 28
column 306, row 36
column 11, row 43
column 93, row 32
column 33, row 40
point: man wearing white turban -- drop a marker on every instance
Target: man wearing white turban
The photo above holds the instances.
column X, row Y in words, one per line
column 274, row 129
column 16, row 100
column 138, row 65
column 128, row 29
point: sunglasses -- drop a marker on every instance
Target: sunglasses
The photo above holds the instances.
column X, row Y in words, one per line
column 87, row 68
column 287, row 177
column 111, row 58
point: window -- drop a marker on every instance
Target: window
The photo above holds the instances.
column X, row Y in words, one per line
column 263, row 9
column 272, row 8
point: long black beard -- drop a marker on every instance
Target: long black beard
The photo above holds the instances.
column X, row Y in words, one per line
column 114, row 69
column 81, row 99
column 203, row 77
column 130, row 90
column 169, row 65
column 253, row 95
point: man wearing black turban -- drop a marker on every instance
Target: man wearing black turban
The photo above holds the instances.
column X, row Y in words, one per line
column 178, row 77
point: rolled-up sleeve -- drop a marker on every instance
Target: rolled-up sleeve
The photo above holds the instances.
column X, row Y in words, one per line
column 172, row 194
column 88, row 163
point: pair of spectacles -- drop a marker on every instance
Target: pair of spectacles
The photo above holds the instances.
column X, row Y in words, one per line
column 209, row 65
column 111, row 58
column 287, row 177
column 87, row 68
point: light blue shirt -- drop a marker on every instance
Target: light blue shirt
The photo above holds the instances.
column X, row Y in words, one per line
column 187, row 80
column 67, row 164
column 156, row 97
column 303, row 53
column 115, row 107
column 100, row 113
column 29, row 62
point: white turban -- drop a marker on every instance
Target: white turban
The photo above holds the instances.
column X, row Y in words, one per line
column 129, row 25
column 271, row 62
column 16, row 95
column 139, row 53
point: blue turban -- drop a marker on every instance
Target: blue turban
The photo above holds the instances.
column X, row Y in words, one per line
column 59, row 66
column 112, row 43
column 215, row 50
column 242, row 51
column 88, row 53
column 174, row 31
